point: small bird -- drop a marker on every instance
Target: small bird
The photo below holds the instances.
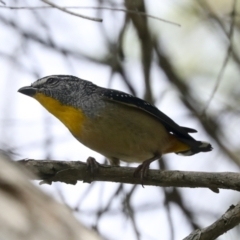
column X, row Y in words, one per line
column 113, row 123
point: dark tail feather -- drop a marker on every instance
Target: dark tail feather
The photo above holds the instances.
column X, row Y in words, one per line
column 196, row 147
column 189, row 130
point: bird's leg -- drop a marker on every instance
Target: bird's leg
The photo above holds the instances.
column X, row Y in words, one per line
column 114, row 161
column 92, row 165
column 143, row 168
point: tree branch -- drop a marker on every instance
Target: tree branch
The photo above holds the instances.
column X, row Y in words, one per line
column 90, row 7
column 27, row 213
column 226, row 222
column 72, row 171
column 71, row 13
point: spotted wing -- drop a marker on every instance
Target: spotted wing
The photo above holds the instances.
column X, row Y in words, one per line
column 169, row 124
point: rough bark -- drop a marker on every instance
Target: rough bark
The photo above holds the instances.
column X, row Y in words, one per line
column 73, row 171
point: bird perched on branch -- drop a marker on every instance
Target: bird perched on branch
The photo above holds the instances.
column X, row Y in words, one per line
column 113, row 123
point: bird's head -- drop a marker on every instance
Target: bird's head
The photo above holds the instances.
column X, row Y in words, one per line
column 65, row 89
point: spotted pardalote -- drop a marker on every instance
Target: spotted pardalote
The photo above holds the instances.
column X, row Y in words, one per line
column 113, row 123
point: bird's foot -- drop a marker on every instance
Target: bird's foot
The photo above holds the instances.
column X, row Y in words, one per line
column 92, row 165
column 142, row 170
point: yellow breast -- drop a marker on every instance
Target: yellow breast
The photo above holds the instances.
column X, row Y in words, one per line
column 72, row 118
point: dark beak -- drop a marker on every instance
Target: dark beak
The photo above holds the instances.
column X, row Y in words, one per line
column 29, row 91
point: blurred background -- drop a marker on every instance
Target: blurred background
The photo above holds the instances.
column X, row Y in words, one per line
column 190, row 72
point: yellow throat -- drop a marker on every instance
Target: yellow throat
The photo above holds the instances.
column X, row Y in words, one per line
column 73, row 118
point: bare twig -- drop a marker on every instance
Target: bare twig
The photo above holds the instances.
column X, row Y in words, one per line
column 226, row 59
column 72, row 171
column 72, row 13
column 228, row 220
column 97, row 8
column 129, row 209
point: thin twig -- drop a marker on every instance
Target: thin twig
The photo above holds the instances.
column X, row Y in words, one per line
column 72, row 13
column 97, row 8
column 226, row 59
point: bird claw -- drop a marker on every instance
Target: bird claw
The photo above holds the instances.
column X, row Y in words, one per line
column 143, row 168
column 92, row 165
column 142, row 171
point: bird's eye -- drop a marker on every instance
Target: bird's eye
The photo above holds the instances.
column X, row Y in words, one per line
column 52, row 81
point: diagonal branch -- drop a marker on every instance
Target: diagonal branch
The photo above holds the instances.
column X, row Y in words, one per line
column 72, row 13
column 227, row 221
column 226, row 59
column 72, row 171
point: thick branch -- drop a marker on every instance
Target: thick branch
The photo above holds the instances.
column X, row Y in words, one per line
column 27, row 213
column 228, row 220
column 73, row 171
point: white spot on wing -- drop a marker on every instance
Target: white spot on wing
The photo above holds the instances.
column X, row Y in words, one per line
column 204, row 144
column 188, row 153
